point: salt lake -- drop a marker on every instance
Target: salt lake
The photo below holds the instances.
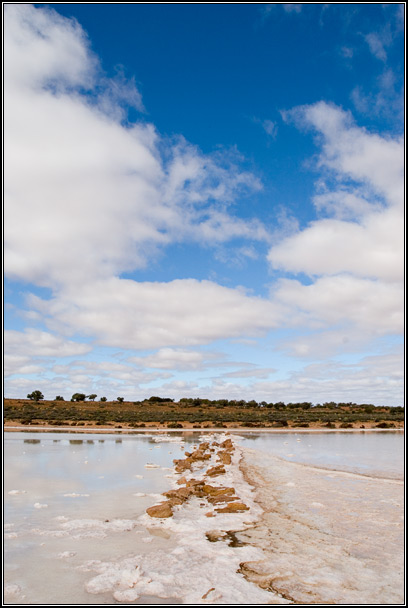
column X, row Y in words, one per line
column 76, row 531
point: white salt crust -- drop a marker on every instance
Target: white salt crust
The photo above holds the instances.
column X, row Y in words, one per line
column 211, row 565
column 193, row 570
column 326, row 538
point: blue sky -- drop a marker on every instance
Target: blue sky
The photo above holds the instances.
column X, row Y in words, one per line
column 204, row 200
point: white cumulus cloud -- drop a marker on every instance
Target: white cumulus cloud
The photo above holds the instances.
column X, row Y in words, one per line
column 355, row 258
column 98, row 196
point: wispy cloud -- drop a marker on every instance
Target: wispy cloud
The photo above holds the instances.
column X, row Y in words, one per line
column 385, row 99
column 292, row 7
column 377, row 44
column 270, row 127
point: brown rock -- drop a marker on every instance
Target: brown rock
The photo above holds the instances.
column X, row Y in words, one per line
column 217, row 491
column 175, row 500
column 182, row 464
column 234, row 507
column 180, row 494
column 223, row 498
column 193, row 483
column 162, row 510
column 217, row 470
column 200, row 455
column 225, row 457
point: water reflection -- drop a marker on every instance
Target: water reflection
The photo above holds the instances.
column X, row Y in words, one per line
column 49, row 492
column 376, row 453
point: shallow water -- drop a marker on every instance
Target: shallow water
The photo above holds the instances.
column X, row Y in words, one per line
column 76, row 531
column 71, row 498
column 373, row 453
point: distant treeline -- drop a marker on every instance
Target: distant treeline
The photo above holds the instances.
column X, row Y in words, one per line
column 198, row 401
column 197, row 412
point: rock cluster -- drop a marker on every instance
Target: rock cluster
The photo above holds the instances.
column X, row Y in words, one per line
column 223, row 498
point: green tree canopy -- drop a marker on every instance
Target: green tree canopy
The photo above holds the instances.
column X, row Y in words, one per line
column 35, row 396
column 78, row 397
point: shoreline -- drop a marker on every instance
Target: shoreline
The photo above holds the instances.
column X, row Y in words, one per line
column 323, row 536
column 163, row 429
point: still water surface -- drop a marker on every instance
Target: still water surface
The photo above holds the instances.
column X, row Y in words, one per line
column 374, row 453
column 72, row 498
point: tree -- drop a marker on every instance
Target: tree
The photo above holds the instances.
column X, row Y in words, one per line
column 155, row 399
column 103, row 399
column 35, row 396
column 59, row 398
column 92, row 397
column 78, row 397
column 120, row 399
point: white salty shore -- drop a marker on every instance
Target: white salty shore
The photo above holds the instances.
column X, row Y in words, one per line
column 328, row 537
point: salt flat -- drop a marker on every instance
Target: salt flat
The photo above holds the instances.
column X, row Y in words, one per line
column 328, row 536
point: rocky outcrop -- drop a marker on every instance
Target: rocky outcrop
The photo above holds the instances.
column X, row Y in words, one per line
column 217, row 470
column 200, row 488
column 162, row 510
column 224, row 457
column 234, row 507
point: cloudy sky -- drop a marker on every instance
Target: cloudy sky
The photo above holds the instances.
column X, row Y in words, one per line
column 204, row 200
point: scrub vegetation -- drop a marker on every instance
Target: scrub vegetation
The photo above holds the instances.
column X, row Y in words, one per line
column 198, row 413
